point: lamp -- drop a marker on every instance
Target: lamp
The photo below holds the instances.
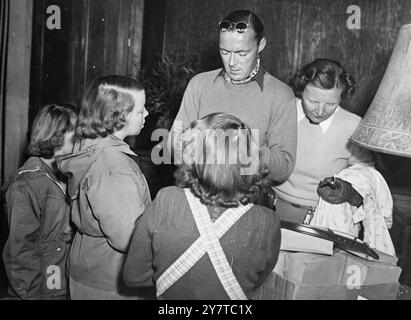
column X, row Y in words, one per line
column 386, row 127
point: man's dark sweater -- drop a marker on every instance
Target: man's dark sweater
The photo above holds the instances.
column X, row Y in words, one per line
column 167, row 229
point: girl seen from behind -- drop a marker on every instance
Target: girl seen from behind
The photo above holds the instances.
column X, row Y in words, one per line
column 38, row 211
column 204, row 239
column 107, row 188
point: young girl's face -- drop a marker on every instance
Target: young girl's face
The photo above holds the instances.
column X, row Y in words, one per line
column 68, row 145
column 135, row 119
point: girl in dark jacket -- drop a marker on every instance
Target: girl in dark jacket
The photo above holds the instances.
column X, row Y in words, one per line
column 38, row 211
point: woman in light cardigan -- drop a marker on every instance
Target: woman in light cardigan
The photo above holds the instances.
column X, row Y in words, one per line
column 323, row 143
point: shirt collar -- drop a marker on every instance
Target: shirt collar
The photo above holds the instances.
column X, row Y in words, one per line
column 324, row 125
column 259, row 77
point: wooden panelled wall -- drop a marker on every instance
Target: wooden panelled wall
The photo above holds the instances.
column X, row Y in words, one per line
column 4, row 24
column 97, row 37
column 15, row 51
column 16, row 34
column 299, row 31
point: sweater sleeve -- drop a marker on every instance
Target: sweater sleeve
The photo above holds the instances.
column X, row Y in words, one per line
column 359, row 155
column 356, row 153
column 188, row 112
column 138, row 266
column 21, row 256
column 281, row 149
column 189, row 107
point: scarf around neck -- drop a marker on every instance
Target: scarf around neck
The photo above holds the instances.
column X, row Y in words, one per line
column 246, row 80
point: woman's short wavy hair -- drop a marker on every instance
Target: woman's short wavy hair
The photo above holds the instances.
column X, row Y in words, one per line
column 225, row 145
column 105, row 106
column 49, row 127
column 323, row 73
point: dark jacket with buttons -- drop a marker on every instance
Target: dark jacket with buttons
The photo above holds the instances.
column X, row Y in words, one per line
column 39, row 239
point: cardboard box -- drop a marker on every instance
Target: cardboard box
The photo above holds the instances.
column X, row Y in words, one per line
column 311, row 268
column 342, row 268
column 342, row 276
column 279, row 288
column 362, row 272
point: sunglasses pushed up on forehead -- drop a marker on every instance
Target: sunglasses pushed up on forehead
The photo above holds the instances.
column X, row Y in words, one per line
column 240, row 27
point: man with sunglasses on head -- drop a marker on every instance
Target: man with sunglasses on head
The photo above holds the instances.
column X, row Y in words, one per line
column 244, row 89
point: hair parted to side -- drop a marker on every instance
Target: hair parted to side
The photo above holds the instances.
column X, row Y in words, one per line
column 323, row 73
column 250, row 18
column 49, row 127
column 225, row 144
column 105, row 105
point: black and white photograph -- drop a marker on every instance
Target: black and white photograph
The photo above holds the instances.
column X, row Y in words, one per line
column 220, row 153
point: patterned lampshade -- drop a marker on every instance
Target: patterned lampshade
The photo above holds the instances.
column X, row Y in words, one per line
column 386, row 127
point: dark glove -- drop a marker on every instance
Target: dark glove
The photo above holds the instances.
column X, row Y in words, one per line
column 267, row 198
column 336, row 191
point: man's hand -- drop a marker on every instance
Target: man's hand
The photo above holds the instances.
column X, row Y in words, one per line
column 337, row 191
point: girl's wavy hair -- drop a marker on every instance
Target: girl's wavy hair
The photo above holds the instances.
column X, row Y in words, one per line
column 105, row 106
column 49, row 127
column 323, row 73
column 221, row 183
